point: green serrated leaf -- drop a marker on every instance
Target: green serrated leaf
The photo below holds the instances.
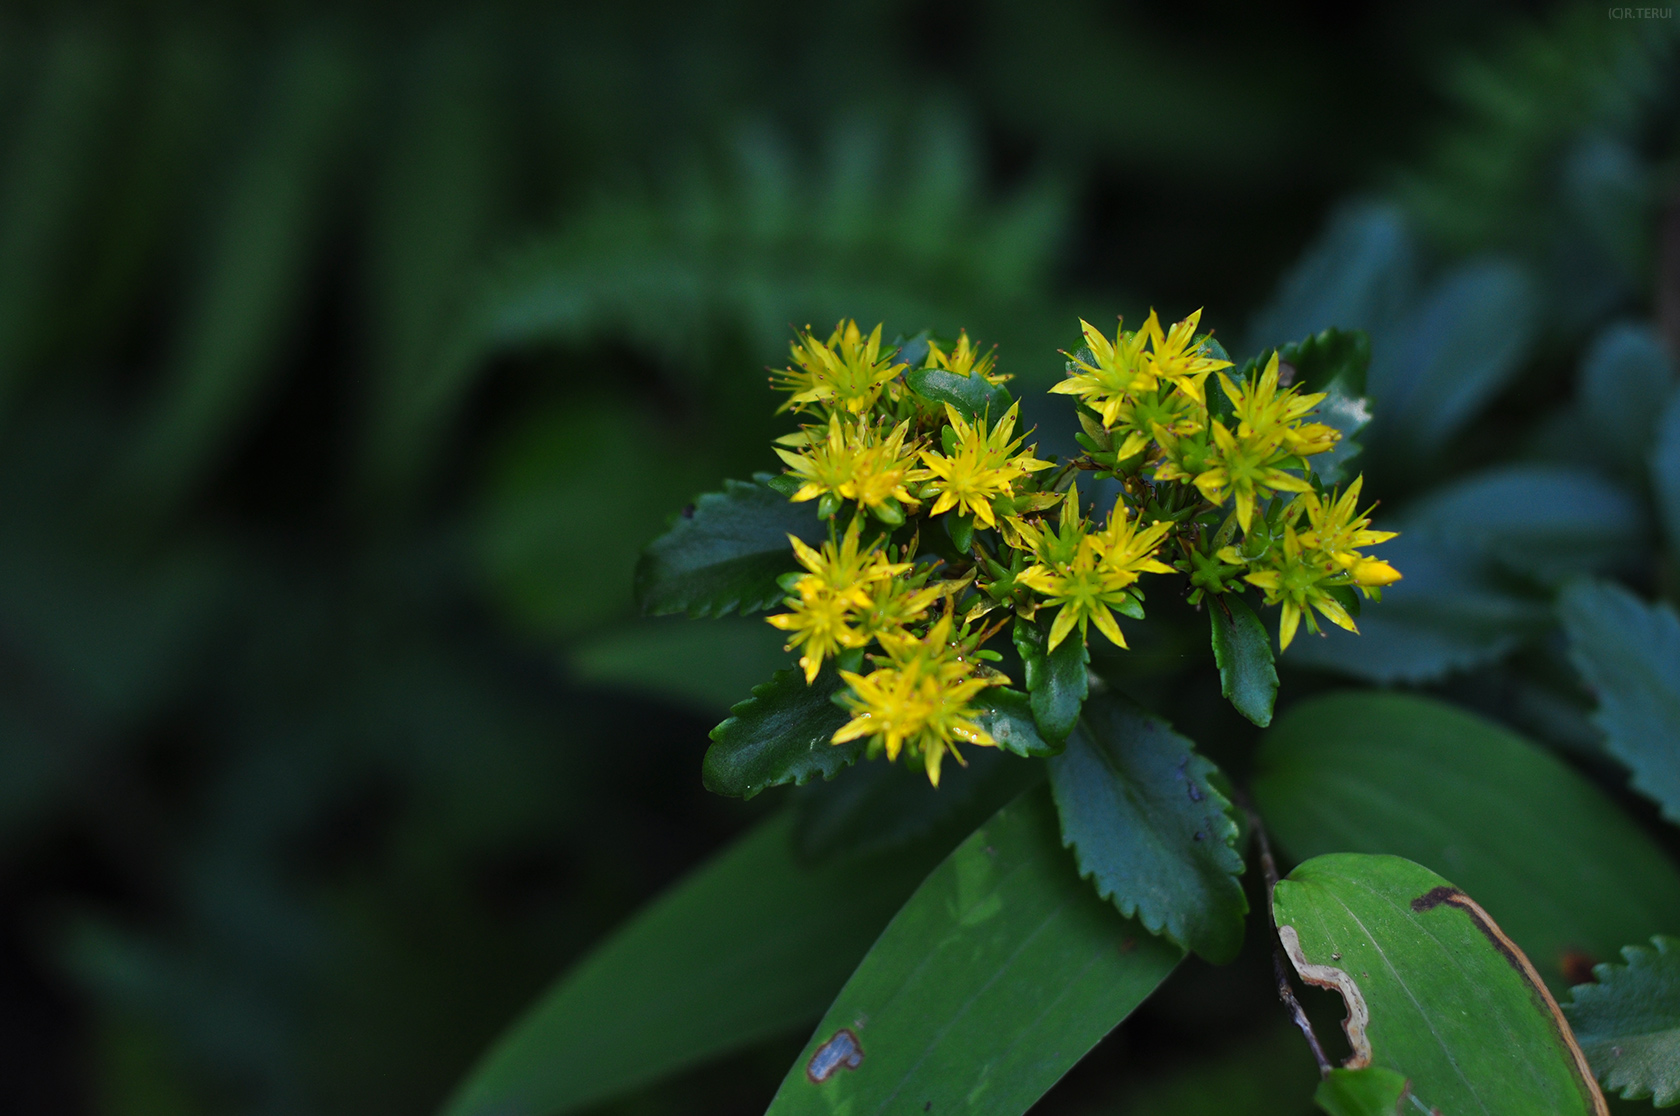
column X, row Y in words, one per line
column 1629, row 654
column 1057, row 681
column 1150, row 828
column 972, row 396
column 1372, row 1091
column 992, row 981
column 883, row 806
column 1247, row 676
column 1567, row 875
column 1007, row 715
column 1328, row 357
column 725, row 554
column 1628, row 1023
column 1435, row 991
column 782, row 734
column 749, row 945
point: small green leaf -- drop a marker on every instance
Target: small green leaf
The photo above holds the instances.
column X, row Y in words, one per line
column 1372, row 1091
column 882, row 806
column 1150, row 828
column 1629, row 654
column 1567, row 875
column 725, row 553
column 972, row 396
column 1435, row 991
column 749, row 945
column 992, row 981
column 1057, row 681
column 1007, row 715
column 1628, row 1023
column 1247, row 677
column 780, row 735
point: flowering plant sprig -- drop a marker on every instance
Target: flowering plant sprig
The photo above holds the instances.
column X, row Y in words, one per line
column 944, row 525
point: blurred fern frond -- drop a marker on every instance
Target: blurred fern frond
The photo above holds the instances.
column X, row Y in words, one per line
column 1519, row 106
column 904, row 234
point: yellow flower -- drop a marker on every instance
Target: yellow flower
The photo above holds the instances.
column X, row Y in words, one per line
column 1269, row 435
column 1120, row 371
column 1338, row 530
column 1300, row 582
column 1087, row 575
column 846, row 372
column 855, row 460
column 827, row 600
column 965, row 359
column 918, row 703
column 983, row 464
column 897, row 603
column 1177, row 358
column 1157, row 415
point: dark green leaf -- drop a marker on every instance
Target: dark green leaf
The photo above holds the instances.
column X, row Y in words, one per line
column 881, row 806
column 1628, row 1023
column 1057, row 681
column 726, row 553
column 972, row 396
column 1435, row 991
column 992, row 981
column 706, row 667
column 1150, row 828
column 780, row 735
column 1358, row 275
column 1625, row 380
column 1565, row 873
column 748, row 946
column 1372, row 1091
column 1461, row 345
column 1330, row 356
column 1007, row 715
column 1629, row 654
column 1243, row 650
column 1543, row 520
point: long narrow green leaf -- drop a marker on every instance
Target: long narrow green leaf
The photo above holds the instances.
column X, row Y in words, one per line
column 995, row 978
column 750, row 945
column 1566, row 875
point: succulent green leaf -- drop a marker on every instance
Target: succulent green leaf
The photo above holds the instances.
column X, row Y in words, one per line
column 989, row 984
column 1434, row 989
column 749, row 945
column 1628, row 1023
column 1625, row 380
column 1372, row 1091
column 883, row 806
column 1149, row 826
column 1247, row 677
column 1007, row 715
column 782, row 734
column 1665, row 473
column 1629, row 654
column 1567, row 875
column 1544, row 520
column 1057, row 681
column 726, row 553
column 972, row 396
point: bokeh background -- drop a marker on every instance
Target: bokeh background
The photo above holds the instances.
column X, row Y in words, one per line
column 349, row 353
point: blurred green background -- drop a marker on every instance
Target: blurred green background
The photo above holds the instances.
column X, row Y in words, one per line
column 349, row 353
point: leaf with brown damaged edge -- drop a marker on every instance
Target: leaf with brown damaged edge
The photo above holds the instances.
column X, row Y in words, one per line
column 992, row 981
column 1565, row 872
column 1435, row 991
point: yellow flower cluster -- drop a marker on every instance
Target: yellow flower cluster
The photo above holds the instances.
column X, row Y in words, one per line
column 881, row 459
